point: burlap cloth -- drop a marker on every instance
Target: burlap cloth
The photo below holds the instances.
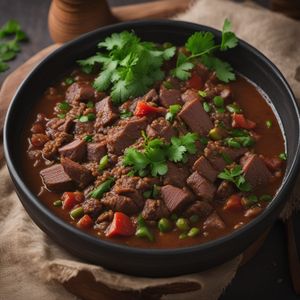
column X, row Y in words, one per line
column 34, row 267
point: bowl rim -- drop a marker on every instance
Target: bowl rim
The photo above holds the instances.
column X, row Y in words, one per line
column 286, row 184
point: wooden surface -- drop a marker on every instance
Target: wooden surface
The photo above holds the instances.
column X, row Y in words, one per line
column 266, row 276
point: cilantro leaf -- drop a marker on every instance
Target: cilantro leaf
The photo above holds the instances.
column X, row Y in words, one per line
column 103, row 81
column 88, row 64
column 200, row 42
column 183, row 66
column 229, row 39
column 159, row 168
column 3, row 66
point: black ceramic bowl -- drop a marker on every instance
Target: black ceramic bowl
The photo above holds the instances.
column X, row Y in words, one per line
column 155, row 263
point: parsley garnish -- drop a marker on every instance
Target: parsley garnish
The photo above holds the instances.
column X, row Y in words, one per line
column 129, row 67
column 153, row 160
column 235, row 175
column 173, row 110
column 125, row 114
column 10, row 48
column 202, row 45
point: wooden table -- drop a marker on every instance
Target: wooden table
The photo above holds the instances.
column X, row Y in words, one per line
column 266, row 275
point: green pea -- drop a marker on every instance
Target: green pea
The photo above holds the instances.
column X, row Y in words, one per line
column 144, row 232
column 90, row 104
column 218, row 101
column 233, row 108
column 164, row 225
column 202, row 94
column 57, row 203
column 69, row 80
column 194, row 219
column 282, row 156
column 88, row 138
column 183, row 236
column 193, row 232
column 233, row 144
column 64, row 106
column 206, row 107
column 269, row 123
column 76, row 213
column 103, row 162
column 182, row 224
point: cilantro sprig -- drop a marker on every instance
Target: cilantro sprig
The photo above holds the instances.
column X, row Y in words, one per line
column 129, row 67
column 202, row 46
column 153, row 160
column 9, row 48
column 235, row 175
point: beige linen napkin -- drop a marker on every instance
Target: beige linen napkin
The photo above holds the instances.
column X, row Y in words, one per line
column 33, row 267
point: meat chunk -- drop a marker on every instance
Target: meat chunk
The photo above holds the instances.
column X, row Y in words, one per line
column 151, row 96
column 190, row 95
column 84, row 127
column 161, row 128
column 233, row 153
column 169, row 96
column 256, row 171
column 106, row 216
column 75, row 150
column 95, row 151
column 56, row 179
column 119, row 138
column 154, row 210
column 67, row 126
column 175, row 198
column 201, row 186
column 176, row 175
column 79, row 92
column 214, row 221
column 80, row 174
column 106, row 112
column 201, row 208
column 204, row 168
column 93, row 207
column 195, row 117
column 224, row 190
column 119, row 203
column 39, row 139
column 213, row 153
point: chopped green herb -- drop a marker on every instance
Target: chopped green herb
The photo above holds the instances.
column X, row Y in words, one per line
column 57, row 203
column 90, row 104
column 250, row 200
column 103, row 162
column 226, row 158
column 220, row 110
column 235, row 175
column 147, row 194
column 282, row 156
column 125, row 114
column 265, row 198
column 194, row 219
column 218, row 101
column 76, row 213
column 104, row 187
column 203, row 140
column 269, row 124
column 64, row 106
column 87, row 118
column 155, row 191
column 202, row 94
column 233, row 108
column 168, row 85
column 69, row 80
column 232, row 143
column 88, row 138
column 173, row 110
column 206, row 107
column 61, row 116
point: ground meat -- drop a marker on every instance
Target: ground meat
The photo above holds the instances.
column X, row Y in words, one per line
column 93, row 207
column 154, row 210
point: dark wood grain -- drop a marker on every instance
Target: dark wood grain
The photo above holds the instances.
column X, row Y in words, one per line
column 266, row 276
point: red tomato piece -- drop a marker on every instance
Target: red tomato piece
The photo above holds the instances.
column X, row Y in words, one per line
column 239, row 121
column 195, row 82
column 234, row 203
column 120, row 225
column 70, row 199
column 85, row 222
column 143, row 109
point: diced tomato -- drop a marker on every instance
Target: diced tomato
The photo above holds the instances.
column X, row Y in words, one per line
column 239, row 121
column 143, row 109
column 85, row 222
column 233, row 203
column 70, row 199
column 120, row 225
column 195, row 82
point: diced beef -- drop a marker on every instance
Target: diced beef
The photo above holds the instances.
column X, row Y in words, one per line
column 95, row 151
column 190, row 95
column 224, row 190
column 160, row 128
column 169, row 96
column 234, row 153
column 81, row 175
column 120, row 137
column 201, row 208
column 84, row 128
column 154, row 210
column 52, row 126
column 106, row 216
column 193, row 114
column 213, row 153
column 256, row 171
column 176, row 175
column 67, row 126
column 204, row 168
column 75, row 150
column 56, row 179
column 39, row 139
column 201, row 186
column 106, row 113
column 93, row 207
column 175, row 198
column 214, row 221
column 119, row 203
column 80, row 92
column 151, row 96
